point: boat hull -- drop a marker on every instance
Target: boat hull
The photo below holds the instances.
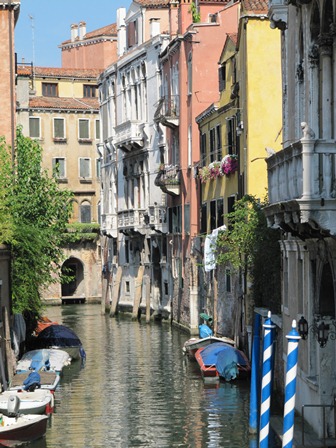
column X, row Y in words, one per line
column 38, row 402
column 191, row 346
column 24, row 428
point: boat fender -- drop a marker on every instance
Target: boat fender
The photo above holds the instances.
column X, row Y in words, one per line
column 13, row 405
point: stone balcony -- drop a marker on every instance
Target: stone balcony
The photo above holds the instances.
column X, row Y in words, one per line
column 130, row 134
column 169, row 179
column 109, row 225
column 302, row 188
column 143, row 221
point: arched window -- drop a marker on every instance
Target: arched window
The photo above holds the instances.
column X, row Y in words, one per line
column 327, row 298
column 85, row 212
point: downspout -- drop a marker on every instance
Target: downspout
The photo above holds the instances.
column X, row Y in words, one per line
column 11, row 62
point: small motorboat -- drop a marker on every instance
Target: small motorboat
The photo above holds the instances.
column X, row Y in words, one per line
column 221, row 360
column 43, row 359
column 40, row 401
column 61, row 337
column 193, row 344
column 18, row 428
column 48, row 380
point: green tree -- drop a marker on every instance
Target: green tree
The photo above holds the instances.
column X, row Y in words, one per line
column 38, row 213
column 253, row 248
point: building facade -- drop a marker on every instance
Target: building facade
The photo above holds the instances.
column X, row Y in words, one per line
column 134, row 219
column 59, row 109
column 301, row 181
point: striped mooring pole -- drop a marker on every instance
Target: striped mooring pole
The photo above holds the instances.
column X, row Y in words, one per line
column 266, row 382
column 291, row 370
column 255, row 366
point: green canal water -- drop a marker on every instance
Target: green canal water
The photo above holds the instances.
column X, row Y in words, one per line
column 137, row 389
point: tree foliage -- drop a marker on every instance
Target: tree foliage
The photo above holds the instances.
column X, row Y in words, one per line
column 249, row 245
column 37, row 214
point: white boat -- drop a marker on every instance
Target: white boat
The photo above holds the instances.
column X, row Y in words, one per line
column 43, row 359
column 19, row 428
column 41, row 401
column 193, row 344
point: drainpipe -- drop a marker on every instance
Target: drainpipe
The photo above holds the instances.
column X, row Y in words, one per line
column 11, row 63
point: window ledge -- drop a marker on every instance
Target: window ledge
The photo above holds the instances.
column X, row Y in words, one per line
column 62, row 180
column 82, row 180
column 85, row 140
column 60, row 140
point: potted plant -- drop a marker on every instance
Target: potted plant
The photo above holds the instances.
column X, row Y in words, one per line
column 229, row 164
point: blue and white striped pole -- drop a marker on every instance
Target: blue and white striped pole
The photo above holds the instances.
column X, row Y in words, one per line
column 266, row 382
column 292, row 358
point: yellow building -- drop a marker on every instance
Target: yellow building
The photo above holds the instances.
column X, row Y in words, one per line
column 58, row 107
column 237, row 134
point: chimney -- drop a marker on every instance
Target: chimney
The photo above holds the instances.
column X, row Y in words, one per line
column 121, row 30
column 81, row 30
column 154, row 27
column 74, row 32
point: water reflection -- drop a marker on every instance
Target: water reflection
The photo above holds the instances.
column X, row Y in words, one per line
column 137, row 389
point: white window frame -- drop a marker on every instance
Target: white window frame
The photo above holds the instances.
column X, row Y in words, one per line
column 64, row 128
column 39, row 132
column 97, row 128
column 79, row 167
column 55, row 160
column 88, row 124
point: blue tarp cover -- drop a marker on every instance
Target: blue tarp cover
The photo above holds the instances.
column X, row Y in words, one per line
column 32, row 378
column 209, row 354
column 57, row 336
column 205, row 331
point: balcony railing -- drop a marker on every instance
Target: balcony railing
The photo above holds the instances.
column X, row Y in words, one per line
column 143, row 220
column 130, row 134
column 302, row 185
column 168, row 111
column 169, row 179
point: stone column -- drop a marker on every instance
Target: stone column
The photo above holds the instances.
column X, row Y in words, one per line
column 308, row 144
column 325, row 45
column 313, row 58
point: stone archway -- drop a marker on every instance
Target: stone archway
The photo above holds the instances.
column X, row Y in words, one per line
column 75, row 288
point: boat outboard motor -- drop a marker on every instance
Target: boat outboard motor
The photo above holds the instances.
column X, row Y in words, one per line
column 13, row 405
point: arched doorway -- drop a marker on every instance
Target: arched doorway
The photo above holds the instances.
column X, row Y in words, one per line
column 75, row 288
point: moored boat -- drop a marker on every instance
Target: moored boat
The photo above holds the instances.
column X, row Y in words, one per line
column 61, row 337
column 43, row 359
column 221, row 360
column 193, row 344
column 40, row 401
column 48, row 380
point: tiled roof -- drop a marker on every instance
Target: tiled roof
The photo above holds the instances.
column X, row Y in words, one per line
column 108, row 30
column 256, row 6
column 152, row 3
column 59, row 72
column 46, row 102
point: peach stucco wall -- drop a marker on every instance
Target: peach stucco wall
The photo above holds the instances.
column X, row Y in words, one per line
column 98, row 55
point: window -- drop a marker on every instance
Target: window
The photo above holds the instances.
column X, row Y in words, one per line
column 59, row 128
column 85, row 211
column 222, row 77
column 85, row 167
column 175, row 219
column 219, row 142
column 231, row 135
column 189, row 74
column 132, row 34
column 83, row 129
column 187, row 218
column 212, row 145
column 97, row 130
column 49, row 89
column 34, row 127
column 98, row 168
column 204, row 218
column 216, row 213
column 89, row 91
column 203, row 148
column 58, row 166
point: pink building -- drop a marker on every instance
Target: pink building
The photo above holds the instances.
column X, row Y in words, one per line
column 190, row 85
column 97, row 49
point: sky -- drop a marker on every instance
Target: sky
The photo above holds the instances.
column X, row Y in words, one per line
column 44, row 24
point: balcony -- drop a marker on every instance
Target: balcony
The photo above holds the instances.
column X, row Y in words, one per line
column 109, row 225
column 302, row 189
column 130, row 134
column 278, row 13
column 168, row 179
column 168, row 111
column 132, row 221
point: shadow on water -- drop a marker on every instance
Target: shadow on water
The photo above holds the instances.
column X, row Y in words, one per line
column 137, row 389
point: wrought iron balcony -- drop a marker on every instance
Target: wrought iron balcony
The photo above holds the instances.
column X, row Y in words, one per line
column 302, row 188
column 168, row 111
column 168, row 179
